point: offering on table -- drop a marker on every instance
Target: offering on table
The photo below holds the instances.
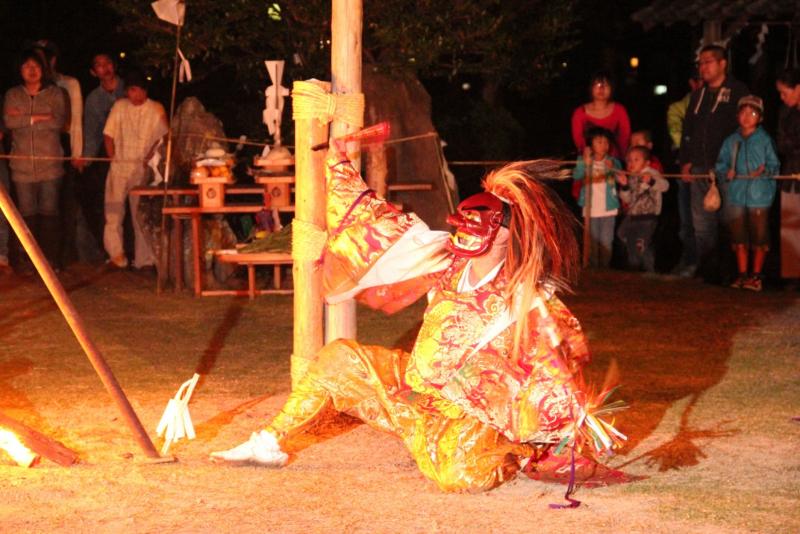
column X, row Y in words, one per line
column 276, row 175
column 212, row 172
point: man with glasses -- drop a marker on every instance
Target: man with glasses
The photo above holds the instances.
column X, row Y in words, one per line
column 710, row 118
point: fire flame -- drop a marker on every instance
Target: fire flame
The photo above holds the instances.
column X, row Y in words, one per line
column 16, row 449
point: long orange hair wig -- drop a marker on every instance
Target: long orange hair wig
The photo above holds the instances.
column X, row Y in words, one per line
column 542, row 246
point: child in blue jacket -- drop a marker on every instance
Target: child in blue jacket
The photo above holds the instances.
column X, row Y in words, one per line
column 601, row 203
column 748, row 160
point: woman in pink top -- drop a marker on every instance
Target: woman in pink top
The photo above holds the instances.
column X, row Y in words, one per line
column 601, row 112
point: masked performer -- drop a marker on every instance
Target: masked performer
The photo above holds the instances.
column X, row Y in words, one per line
column 493, row 382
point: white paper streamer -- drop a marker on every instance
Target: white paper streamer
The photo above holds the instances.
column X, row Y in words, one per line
column 176, row 423
column 155, row 159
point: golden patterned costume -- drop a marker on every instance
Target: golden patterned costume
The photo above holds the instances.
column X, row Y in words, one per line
column 467, row 406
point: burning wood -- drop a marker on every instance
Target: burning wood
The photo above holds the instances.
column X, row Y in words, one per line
column 21, row 454
column 22, row 442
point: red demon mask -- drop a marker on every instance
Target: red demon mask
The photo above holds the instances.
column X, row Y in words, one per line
column 477, row 221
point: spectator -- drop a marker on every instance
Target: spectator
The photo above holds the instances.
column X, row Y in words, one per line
column 710, row 118
column 687, row 264
column 134, row 128
column 600, row 112
column 35, row 112
column 676, row 111
column 640, row 192
column 76, row 236
column 788, row 85
column 748, row 161
column 98, row 105
column 600, row 203
column 51, row 54
column 645, row 138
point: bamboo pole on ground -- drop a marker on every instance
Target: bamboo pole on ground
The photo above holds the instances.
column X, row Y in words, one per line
column 346, row 24
column 309, row 207
column 75, row 323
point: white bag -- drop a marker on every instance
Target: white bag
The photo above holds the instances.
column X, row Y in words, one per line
column 712, row 201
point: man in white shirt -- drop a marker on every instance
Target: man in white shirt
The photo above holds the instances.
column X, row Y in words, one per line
column 134, row 128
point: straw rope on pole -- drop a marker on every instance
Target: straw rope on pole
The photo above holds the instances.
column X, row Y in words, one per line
column 75, row 323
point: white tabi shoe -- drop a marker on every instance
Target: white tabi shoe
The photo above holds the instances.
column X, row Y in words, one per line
column 261, row 449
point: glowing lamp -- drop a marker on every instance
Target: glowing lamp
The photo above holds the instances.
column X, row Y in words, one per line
column 634, row 62
column 21, row 454
column 659, row 90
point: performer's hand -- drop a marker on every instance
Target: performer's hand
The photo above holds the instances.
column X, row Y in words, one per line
column 336, row 152
column 731, row 174
column 686, row 169
column 758, row 172
column 621, row 179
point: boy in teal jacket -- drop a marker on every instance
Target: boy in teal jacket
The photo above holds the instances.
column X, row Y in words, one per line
column 748, row 161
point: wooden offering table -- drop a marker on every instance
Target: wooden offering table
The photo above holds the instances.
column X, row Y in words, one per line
column 194, row 214
column 276, row 259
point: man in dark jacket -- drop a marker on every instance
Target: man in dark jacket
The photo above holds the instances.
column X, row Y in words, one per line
column 710, row 118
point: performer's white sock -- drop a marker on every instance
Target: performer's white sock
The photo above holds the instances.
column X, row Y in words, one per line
column 262, row 448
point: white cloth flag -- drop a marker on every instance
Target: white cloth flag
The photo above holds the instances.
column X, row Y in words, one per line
column 172, row 11
column 176, row 423
column 274, row 97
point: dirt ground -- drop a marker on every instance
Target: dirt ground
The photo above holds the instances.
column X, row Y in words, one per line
column 712, row 376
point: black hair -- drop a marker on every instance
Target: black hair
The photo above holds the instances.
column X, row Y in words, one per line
column 597, row 131
column 105, row 53
column 789, row 77
column 136, row 78
column 601, row 76
column 643, row 150
column 49, row 48
column 719, row 51
column 648, row 135
column 37, row 56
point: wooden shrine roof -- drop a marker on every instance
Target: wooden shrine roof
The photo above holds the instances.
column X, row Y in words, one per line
column 695, row 11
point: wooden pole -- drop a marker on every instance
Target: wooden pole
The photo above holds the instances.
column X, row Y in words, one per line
column 346, row 23
column 75, row 323
column 163, row 252
column 712, row 31
column 377, row 170
column 307, row 276
column 39, row 443
column 587, row 216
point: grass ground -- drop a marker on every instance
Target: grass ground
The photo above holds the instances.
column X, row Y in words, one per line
column 712, row 376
